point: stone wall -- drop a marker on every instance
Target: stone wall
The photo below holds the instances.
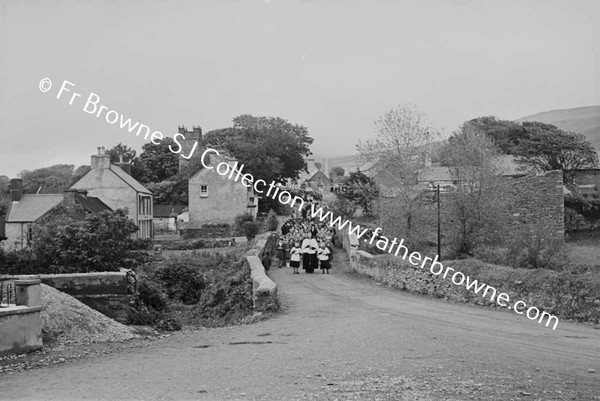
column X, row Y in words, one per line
column 208, row 231
column 264, row 290
column 107, row 292
column 564, row 295
column 20, row 324
column 523, row 205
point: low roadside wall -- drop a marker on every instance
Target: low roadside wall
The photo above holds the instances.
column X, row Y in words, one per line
column 565, row 295
column 107, row 292
column 264, row 290
column 20, row 324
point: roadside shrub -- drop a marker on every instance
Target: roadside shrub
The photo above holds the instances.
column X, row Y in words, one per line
column 250, row 229
column 536, row 251
column 271, row 221
column 141, row 244
column 182, row 281
column 240, row 219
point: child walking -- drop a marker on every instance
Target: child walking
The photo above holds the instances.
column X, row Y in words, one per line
column 295, row 253
column 280, row 253
column 324, row 257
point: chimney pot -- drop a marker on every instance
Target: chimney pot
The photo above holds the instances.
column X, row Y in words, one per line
column 16, row 189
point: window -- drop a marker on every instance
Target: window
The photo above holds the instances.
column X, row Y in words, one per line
column 145, row 205
column 203, row 191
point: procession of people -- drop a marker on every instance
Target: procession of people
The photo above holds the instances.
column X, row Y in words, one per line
column 306, row 243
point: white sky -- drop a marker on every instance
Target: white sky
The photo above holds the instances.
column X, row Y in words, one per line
column 332, row 66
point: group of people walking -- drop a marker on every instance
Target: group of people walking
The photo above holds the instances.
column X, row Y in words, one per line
column 306, row 243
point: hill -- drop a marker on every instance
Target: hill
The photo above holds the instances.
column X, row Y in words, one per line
column 585, row 120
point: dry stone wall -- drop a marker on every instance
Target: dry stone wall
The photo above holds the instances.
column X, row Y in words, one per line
column 565, row 295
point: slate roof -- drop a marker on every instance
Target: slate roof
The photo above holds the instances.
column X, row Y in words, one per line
column 132, row 182
column 436, row 174
column 168, row 210
column 314, row 173
column 31, row 207
column 91, row 203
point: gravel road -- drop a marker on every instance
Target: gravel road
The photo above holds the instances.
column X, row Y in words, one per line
column 341, row 338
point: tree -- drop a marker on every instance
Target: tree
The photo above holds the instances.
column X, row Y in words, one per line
column 337, row 172
column 474, row 211
column 270, row 148
column 400, row 151
column 551, row 148
column 361, row 190
column 99, row 242
column 158, row 160
column 56, row 176
column 175, row 190
column 122, row 153
column 318, row 165
column 505, row 134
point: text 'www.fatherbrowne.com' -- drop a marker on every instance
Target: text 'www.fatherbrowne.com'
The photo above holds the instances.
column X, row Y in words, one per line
column 436, row 268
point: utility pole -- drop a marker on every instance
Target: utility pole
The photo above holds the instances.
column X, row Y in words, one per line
column 439, row 228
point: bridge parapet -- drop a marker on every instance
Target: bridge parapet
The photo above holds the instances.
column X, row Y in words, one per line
column 264, row 290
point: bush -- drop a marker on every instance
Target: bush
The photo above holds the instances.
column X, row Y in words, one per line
column 536, row 251
column 240, row 219
column 208, row 289
column 271, row 222
column 250, row 230
column 99, row 242
column 181, row 281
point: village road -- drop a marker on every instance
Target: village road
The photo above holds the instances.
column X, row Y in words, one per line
column 342, row 338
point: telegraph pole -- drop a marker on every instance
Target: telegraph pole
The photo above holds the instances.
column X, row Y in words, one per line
column 439, row 228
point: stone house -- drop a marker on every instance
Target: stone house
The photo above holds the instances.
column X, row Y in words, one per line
column 318, row 180
column 119, row 190
column 165, row 217
column 586, row 182
column 28, row 210
column 216, row 199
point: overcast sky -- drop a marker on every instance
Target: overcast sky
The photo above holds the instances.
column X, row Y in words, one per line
column 331, row 66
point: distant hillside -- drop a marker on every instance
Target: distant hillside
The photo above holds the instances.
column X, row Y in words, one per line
column 585, row 120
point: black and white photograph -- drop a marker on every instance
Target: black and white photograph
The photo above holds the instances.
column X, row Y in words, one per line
column 303, row 200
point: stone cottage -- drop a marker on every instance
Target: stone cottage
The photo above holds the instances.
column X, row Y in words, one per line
column 216, row 199
column 119, row 190
column 27, row 210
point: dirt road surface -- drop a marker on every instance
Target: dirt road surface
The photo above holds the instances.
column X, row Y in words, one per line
column 341, row 338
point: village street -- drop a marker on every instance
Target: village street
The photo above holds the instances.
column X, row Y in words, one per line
column 341, row 337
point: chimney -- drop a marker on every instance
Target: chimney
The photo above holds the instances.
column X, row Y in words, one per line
column 197, row 133
column 125, row 166
column 69, row 196
column 16, row 189
column 100, row 161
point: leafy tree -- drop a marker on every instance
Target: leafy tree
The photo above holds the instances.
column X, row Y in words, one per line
column 337, row 172
column 361, row 190
column 271, row 222
column 127, row 154
column 58, row 175
column 251, row 229
column 99, row 242
column 400, row 151
column 549, row 148
column 79, row 172
column 158, row 161
column 318, row 165
column 4, row 194
column 473, row 207
column 343, row 207
column 270, row 148
column 174, row 191
column 505, row 134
